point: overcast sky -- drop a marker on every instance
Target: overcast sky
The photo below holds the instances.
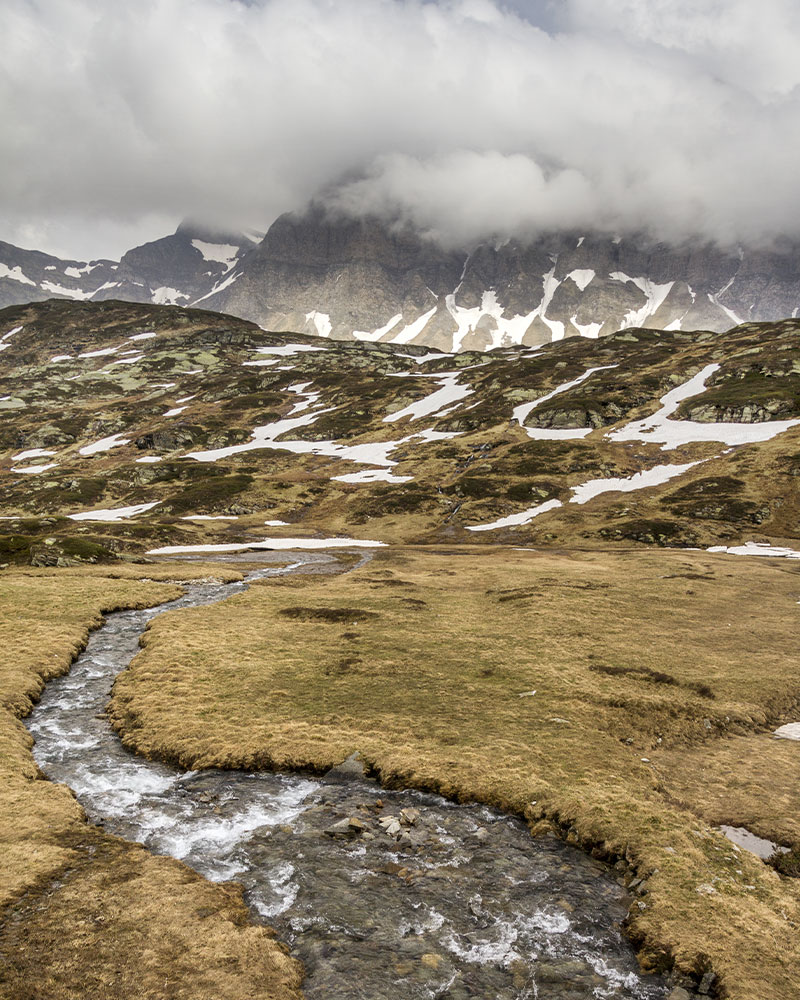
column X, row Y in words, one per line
column 469, row 118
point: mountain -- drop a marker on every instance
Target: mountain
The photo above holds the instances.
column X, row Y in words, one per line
column 365, row 280
column 185, row 267
column 128, row 427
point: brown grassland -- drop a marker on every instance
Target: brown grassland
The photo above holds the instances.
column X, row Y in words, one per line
column 83, row 914
column 657, row 676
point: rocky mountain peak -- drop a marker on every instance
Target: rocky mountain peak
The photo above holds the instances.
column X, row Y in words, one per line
column 365, row 279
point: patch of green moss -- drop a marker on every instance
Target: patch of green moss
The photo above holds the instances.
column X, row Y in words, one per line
column 750, row 388
column 649, row 532
column 208, row 495
column 85, row 550
column 787, row 864
column 14, row 548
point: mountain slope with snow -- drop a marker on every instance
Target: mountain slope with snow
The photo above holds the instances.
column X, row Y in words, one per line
column 364, row 280
column 136, row 427
column 180, row 269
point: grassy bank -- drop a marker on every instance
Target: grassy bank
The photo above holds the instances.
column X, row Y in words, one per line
column 82, row 914
column 600, row 691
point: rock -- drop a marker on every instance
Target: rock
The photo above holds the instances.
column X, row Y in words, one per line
column 679, row 993
column 165, row 440
column 409, row 817
column 482, row 834
column 343, row 829
column 706, row 983
column 391, row 825
column 351, row 769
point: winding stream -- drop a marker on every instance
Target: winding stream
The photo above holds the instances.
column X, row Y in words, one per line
column 380, row 894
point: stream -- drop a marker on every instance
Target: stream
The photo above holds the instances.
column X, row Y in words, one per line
column 381, row 894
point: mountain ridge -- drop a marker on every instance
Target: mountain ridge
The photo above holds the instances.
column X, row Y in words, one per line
column 364, row 279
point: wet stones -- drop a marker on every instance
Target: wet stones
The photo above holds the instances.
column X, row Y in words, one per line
column 351, row 769
column 401, row 827
column 346, row 828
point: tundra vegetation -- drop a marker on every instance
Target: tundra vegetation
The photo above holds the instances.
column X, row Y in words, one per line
column 85, row 914
column 586, row 668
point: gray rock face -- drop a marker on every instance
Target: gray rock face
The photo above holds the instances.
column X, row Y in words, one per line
column 358, row 279
column 181, row 269
column 362, row 279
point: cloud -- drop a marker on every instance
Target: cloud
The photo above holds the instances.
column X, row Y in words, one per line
column 468, row 118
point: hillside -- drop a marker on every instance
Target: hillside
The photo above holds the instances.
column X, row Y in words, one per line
column 134, row 427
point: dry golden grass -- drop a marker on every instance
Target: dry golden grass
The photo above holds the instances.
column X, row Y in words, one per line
column 425, row 661
column 117, row 923
column 124, row 924
column 751, row 781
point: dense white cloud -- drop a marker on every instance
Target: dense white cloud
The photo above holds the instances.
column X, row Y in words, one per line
column 469, row 118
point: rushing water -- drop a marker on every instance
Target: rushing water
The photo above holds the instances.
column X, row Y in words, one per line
column 381, row 894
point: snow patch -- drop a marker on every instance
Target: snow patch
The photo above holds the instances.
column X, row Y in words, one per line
column 127, row 361
column 321, row 321
column 102, row 353
column 581, row 277
column 639, row 481
column 104, row 444
column 523, row 517
column 756, row 549
column 380, row 332
column 4, row 340
column 31, row 453
column 69, row 293
column 166, row 296
column 373, row 476
column 221, row 253
column 115, row 513
column 35, row 469
column 671, row 434
column 791, row 731
column 220, row 286
column 522, row 412
column 449, row 391
column 653, row 293
column 15, row 274
column 413, row 330
column 106, row 285
column 287, row 349
column 272, row 543
column 590, row 330
column 369, row 453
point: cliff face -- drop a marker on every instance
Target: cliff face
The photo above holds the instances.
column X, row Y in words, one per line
column 361, row 279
